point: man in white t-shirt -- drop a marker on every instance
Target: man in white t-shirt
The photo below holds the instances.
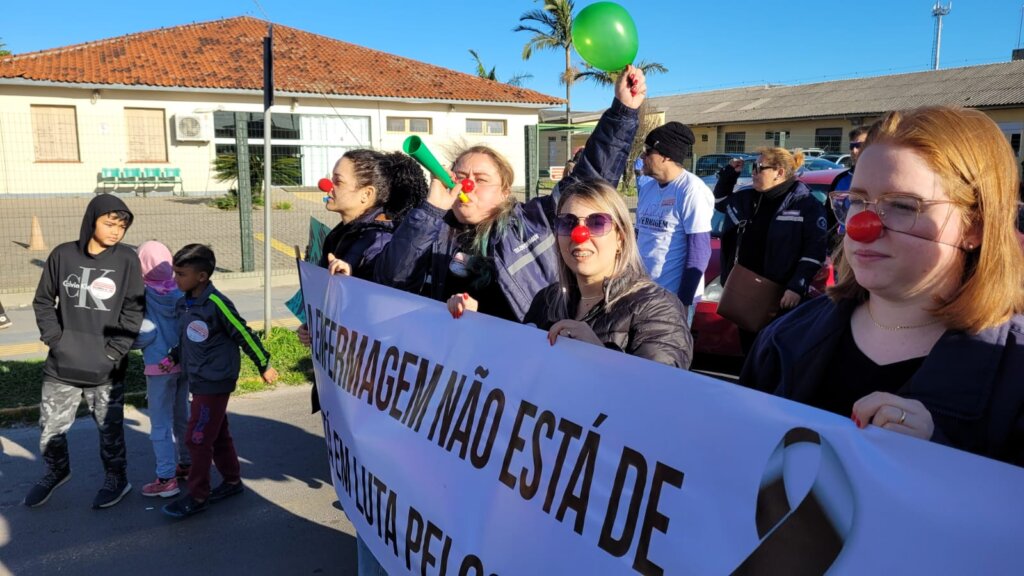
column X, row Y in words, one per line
column 673, row 215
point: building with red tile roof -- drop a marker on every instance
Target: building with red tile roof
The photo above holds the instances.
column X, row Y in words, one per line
column 166, row 99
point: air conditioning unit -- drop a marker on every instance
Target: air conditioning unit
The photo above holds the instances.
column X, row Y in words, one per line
column 192, row 127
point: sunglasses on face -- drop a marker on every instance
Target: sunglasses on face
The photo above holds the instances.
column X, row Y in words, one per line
column 856, row 145
column 760, row 167
column 597, row 223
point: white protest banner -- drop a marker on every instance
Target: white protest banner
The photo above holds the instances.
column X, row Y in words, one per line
column 472, row 447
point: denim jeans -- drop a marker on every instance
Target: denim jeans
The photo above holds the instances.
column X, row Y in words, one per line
column 168, row 415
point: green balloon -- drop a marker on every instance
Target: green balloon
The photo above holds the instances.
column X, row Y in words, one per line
column 605, row 36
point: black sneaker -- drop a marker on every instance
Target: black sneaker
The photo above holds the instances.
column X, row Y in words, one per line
column 43, row 489
column 5, row 322
column 226, row 490
column 185, row 507
column 114, row 489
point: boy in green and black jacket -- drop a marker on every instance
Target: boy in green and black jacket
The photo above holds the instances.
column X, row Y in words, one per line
column 210, row 333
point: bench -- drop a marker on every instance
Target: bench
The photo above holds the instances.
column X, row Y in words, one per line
column 139, row 180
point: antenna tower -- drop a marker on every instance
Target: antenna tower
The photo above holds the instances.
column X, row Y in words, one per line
column 938, row 11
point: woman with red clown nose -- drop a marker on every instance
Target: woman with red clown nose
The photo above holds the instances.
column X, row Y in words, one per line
column 924, row 334
column 604, row 295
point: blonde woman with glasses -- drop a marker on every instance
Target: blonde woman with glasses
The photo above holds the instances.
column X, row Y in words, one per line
column 603, row 295
column 924, row 333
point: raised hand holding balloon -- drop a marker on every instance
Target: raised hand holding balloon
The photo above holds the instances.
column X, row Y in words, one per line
column 414, row 146
column 605, row 36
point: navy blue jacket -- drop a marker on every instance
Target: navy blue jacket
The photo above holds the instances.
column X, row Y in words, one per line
column 210, row 332
column 973, row 384
column 525, row 254
column 359, row 242
column 797, row 236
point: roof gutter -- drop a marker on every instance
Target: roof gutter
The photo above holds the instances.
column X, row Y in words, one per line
column 248, row 92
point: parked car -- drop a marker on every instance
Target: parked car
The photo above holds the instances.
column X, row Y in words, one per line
column 841, row 159
column 745, row 178
column 716, row 336
column 710, row 164
column 815, row 164
column 811, row 152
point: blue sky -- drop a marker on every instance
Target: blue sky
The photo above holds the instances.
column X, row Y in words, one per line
column 705, row 45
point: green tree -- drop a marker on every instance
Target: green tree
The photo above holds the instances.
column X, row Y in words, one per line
column 552, row 30
column 648, row 121
column 285, row 171
column 491, row 74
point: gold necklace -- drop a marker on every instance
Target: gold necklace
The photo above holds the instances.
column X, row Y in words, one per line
column 899, row 327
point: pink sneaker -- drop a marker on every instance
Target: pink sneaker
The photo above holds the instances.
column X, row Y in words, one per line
column 161, row 488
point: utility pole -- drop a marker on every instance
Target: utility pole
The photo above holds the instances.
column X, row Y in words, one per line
column 938, row 11
column 268, row 101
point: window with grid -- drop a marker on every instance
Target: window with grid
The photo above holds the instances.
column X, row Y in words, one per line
column 486, row 127
column 147, row 135
column 408, row 125
column 55, row 133
column 735, row 142
column 828, row 139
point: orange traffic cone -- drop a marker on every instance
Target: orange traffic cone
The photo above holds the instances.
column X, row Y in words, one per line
column 35, row 241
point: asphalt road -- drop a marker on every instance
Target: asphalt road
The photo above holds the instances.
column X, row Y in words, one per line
column 285, row 523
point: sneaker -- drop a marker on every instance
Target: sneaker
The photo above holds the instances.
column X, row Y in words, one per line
column 43, row 489
column 184, row 507
column 164, row 488
column 5, row 322
column 114, row 489
column 181, row 471
column 226, row 490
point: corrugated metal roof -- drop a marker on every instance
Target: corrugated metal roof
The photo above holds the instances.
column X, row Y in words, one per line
column 991, row 85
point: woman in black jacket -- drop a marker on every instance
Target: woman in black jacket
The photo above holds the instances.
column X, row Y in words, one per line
column 777, row 225
column 372, row 192
column 604, row 296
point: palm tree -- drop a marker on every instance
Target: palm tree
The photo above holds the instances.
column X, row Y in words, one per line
column 648, row 121
column 603, row 78
column 552, row 29
column 482, row 72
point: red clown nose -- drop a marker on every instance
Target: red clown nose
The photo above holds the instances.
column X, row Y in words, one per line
column 325, row 185
column 467, row 185
column 865, row 227
column 580, row 234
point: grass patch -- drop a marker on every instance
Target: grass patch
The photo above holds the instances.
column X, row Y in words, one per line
column 19, row 395
column 283, row 206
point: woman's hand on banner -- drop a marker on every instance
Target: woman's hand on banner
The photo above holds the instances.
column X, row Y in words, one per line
column 337, row 266
column 459, row 303
column 575, row 330
column 303, row 333
column 894, row 413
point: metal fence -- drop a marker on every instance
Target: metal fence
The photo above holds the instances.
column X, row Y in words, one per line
column 52, row 165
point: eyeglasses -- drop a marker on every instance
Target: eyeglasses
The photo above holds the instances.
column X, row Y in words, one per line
column 898, row 212
column 760, row 167
column 597, row 223
column 856, row 145
column 648, row 151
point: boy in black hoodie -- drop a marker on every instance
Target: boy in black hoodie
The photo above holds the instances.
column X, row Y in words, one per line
column 89, row 306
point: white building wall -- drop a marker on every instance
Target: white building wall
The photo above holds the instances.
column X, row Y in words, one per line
column 102, row 140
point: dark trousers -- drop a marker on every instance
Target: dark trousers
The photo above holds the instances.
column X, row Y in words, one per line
column 57, row 413
column 209, row 442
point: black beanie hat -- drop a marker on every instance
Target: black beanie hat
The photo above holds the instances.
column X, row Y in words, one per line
column 672, row 140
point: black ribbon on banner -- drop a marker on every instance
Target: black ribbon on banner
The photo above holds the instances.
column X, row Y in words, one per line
column 806, row 538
